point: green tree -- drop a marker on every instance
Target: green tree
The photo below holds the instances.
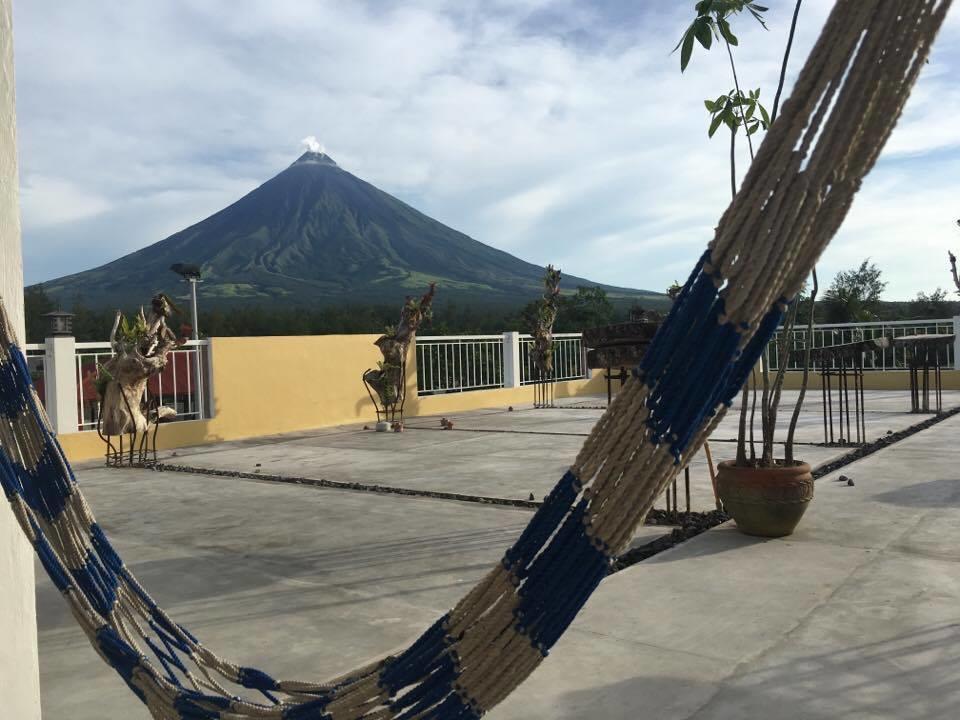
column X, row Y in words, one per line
column 930, row 305
column 854, row 295
column 36, row 303
column 587, row 307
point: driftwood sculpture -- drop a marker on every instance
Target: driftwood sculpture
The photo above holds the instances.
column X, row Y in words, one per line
column 541, row 350
column 140, row 350
column 953, row 269
column 387, row 382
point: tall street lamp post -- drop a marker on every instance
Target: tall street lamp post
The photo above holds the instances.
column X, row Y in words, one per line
column 191, row 273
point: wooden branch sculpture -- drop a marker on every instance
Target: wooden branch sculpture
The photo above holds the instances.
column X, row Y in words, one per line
column 547, row 308
column 387, row 380
column 953, row 269
column 140, row 352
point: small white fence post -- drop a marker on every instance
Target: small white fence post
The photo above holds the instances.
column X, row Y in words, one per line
column 206, row 362
column 956, row 342
column 60, row 377
column 511, row 359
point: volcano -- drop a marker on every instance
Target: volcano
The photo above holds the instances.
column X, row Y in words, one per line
column 316, row 234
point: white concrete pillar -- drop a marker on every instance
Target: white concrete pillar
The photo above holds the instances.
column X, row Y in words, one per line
column 587, row 370
column 19, row 674
column 511, row 359
column 60, row 380
column 956, row 342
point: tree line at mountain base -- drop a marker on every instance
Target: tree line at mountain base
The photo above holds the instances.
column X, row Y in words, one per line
column 853, row 296
column 587, row 307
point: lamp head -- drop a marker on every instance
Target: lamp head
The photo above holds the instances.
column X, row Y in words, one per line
column 187, row 271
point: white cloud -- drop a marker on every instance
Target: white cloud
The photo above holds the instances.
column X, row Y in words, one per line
column 47, row 201
column 552, row 129
column 906, row 228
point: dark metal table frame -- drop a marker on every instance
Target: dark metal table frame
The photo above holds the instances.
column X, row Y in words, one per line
column 842, row 367
column 622, row 376
column 924, row 354
column 621, row 345
column 543, row 390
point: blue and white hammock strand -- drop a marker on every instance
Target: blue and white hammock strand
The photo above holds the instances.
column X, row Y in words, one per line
column 846, row 101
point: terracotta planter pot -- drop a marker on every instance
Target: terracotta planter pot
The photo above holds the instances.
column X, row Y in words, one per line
column 768, row 502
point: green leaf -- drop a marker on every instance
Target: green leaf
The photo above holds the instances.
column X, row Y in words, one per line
column 703, row 33
column 714, row 125
column 711, row 108
column 755, row 10
column 726, row 31
column 686, row 50
column 683, row 37
column 764, row 114
column 749, row 113
column 753, row 128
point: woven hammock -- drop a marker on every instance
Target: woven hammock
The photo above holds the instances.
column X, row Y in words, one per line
column 846, row 101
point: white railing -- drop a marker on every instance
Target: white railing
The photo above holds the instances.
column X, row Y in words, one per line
column 892, row 358
column 177, row 386
column 64, row 370
column 568, row 359
column 458, row 363
column 36, row 354
column 89, row 357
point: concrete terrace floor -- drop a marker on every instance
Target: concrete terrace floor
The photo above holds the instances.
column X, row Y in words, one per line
column 503, row 454
column 856, row 615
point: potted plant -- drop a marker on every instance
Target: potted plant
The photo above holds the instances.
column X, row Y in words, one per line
column 764, row 494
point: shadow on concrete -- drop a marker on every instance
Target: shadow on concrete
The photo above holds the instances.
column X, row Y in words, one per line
column 375, row 571
column 932, row 494
column 725, row 538
column 915, row 675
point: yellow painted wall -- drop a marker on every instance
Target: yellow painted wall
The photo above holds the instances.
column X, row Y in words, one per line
column 451, row 403
column 271, row 385
column 266, row 386
column 889, row 380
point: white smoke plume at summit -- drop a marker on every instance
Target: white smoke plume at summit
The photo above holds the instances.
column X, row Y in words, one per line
column 312, row 144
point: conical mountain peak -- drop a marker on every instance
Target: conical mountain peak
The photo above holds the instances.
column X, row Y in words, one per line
column 310, row 157
column 315, row 234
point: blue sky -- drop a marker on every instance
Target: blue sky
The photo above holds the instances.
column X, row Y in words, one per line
column 558, row 131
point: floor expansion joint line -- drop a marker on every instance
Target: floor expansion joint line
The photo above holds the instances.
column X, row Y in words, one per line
column 354, row 486
column 495, row 430
column 655, row 518
column 712, row 519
